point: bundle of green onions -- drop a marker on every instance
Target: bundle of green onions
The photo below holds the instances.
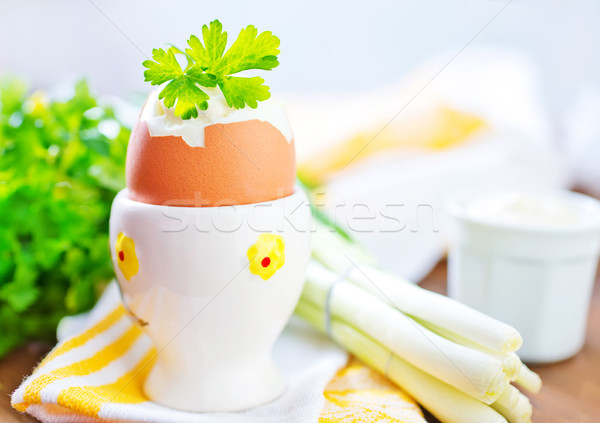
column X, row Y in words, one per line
column 456, row 362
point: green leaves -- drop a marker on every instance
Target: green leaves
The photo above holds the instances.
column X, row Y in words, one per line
column 242, row 91
column 215, row 41
column 184, row 91
column 19, row 297
column 59, row 173
column 250, row 51
column 209, row 65
column 164, row 67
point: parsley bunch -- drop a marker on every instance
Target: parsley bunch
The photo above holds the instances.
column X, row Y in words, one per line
column 209, row 65
column 61, row 164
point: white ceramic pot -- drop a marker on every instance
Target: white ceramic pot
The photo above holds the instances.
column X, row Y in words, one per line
column 213, row 287
column 536, row 276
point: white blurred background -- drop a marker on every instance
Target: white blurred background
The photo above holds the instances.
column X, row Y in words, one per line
column 326, row 45
column 528, row 69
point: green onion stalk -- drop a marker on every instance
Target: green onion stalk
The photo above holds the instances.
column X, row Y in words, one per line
column 455, row 361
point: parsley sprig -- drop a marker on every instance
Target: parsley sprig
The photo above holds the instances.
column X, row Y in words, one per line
column 209, row 65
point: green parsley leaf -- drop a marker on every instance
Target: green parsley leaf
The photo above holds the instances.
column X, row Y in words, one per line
column 184, row 94
column 182, row 91
column 241, row 91
column 250, row 51
column 165, row 67
column 210, row 65
column 215, row 41
column 197, row 74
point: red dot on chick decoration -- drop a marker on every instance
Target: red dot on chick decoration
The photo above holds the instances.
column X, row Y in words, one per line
column 267, row 255
column 128, row 261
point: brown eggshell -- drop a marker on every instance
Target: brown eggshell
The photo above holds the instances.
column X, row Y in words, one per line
column 240, row 163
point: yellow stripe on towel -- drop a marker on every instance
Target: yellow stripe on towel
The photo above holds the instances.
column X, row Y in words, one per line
column 83, row 367
column 84, row 337
column 359, row 394
column 21, row 406
column 127, row 389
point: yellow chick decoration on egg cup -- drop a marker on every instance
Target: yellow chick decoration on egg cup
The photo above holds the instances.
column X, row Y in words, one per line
column 127, row 260
column 267, row 255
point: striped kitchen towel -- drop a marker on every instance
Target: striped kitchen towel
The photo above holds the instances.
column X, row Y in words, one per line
column 96, row 372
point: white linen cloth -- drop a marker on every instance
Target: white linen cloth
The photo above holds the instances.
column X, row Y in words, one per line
column 307, row 359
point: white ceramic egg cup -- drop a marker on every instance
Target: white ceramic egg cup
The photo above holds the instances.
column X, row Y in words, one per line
column 212, row 321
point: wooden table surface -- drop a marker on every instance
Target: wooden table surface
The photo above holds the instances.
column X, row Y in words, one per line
column 571, row 392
